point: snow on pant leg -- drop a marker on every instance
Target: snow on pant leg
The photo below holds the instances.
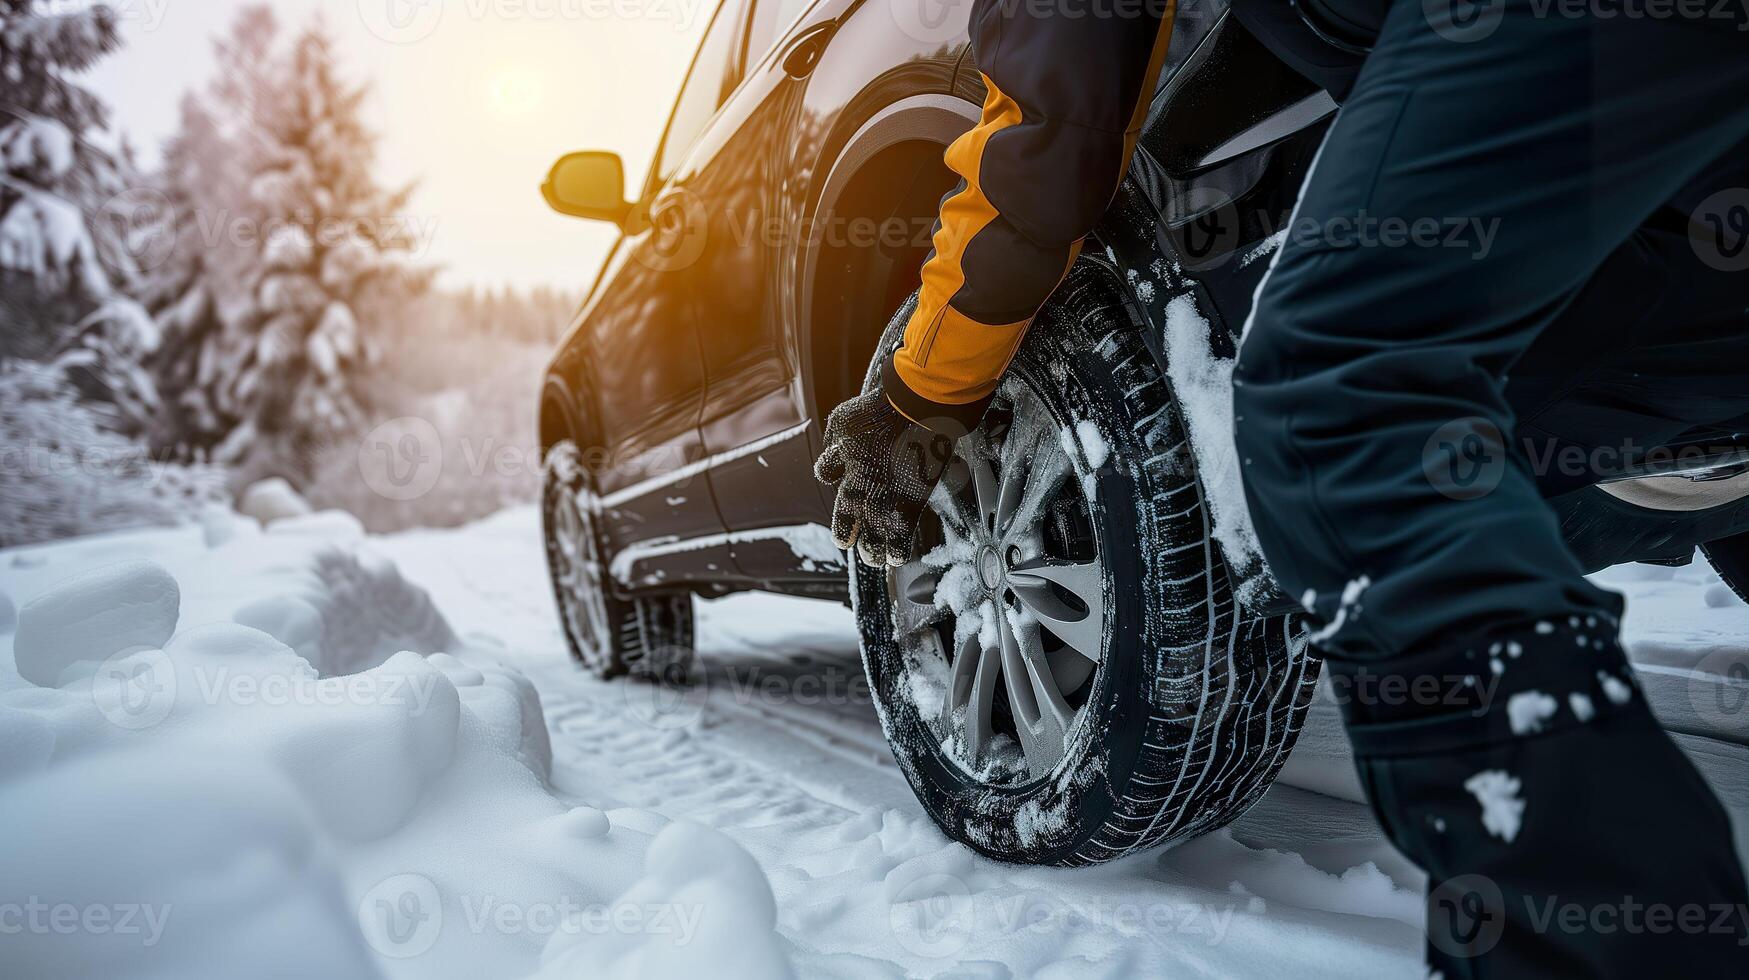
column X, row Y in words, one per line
column 1479, row 175
column 1563, row 832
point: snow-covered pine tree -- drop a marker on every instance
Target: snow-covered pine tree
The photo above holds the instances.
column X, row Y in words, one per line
column 66, row 264
column 266, row 345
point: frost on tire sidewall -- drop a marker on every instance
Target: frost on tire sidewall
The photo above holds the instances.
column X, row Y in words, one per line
column 649, row 637
column 1194, row 705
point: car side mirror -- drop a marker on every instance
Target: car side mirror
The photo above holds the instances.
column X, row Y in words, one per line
column 589, row 185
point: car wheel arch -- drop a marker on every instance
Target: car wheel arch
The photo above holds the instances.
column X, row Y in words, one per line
column 932, row 120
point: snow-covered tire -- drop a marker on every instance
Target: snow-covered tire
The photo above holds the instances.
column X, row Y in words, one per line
column 649, row 636
column 1193, row 704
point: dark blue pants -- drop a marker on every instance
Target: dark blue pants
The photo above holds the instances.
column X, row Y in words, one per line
column 1398, row 395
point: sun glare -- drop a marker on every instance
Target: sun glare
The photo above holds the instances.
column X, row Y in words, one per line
column 514, row 92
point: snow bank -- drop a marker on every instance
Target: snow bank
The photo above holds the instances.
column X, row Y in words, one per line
column 722, row 918
column 271, row 500
column 268, row 754
column 93, row 616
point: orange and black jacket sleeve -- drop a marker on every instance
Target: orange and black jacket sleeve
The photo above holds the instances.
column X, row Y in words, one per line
column 1067, row 87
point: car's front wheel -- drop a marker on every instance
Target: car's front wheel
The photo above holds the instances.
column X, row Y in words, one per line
column 1064, row 675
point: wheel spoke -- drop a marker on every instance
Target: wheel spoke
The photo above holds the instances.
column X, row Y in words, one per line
column 1017, row 464
column 1081, row 629
column 957, row 519
column 914, row 587
column 1048, row 468
column 984, row 482
column 976, row 667
column 1041, row 717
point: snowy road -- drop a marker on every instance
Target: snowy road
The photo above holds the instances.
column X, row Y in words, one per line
column 777, row 749
column 780, row 749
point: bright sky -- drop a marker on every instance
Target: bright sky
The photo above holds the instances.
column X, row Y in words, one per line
column 473, row 98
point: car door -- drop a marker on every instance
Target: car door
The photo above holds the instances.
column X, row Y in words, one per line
column 753, row 419
column 647, row 366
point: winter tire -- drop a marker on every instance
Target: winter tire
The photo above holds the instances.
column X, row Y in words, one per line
column 1063, row 674
column 647, row 636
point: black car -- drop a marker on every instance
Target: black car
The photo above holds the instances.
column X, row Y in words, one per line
column 1086, row 658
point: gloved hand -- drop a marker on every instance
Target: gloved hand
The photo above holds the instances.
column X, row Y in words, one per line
column 885, row 467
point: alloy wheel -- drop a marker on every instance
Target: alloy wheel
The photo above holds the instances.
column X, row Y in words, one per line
column 1005, row 616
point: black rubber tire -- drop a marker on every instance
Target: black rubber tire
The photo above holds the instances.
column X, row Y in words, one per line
column 649, row 636
column 1730, row 559
column 1195, row 704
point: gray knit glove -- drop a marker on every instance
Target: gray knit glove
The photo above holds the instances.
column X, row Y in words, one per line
column 885, row 467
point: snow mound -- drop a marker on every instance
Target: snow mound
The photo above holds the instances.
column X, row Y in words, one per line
column 93, row 616
column 723, row 918
column 157, row 887
column 270, row 500
column 354, row 610
column 234, row 795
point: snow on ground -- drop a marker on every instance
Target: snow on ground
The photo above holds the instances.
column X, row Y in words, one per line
column 350, row 776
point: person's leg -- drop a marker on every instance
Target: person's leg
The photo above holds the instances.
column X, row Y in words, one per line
column 1495, row 723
